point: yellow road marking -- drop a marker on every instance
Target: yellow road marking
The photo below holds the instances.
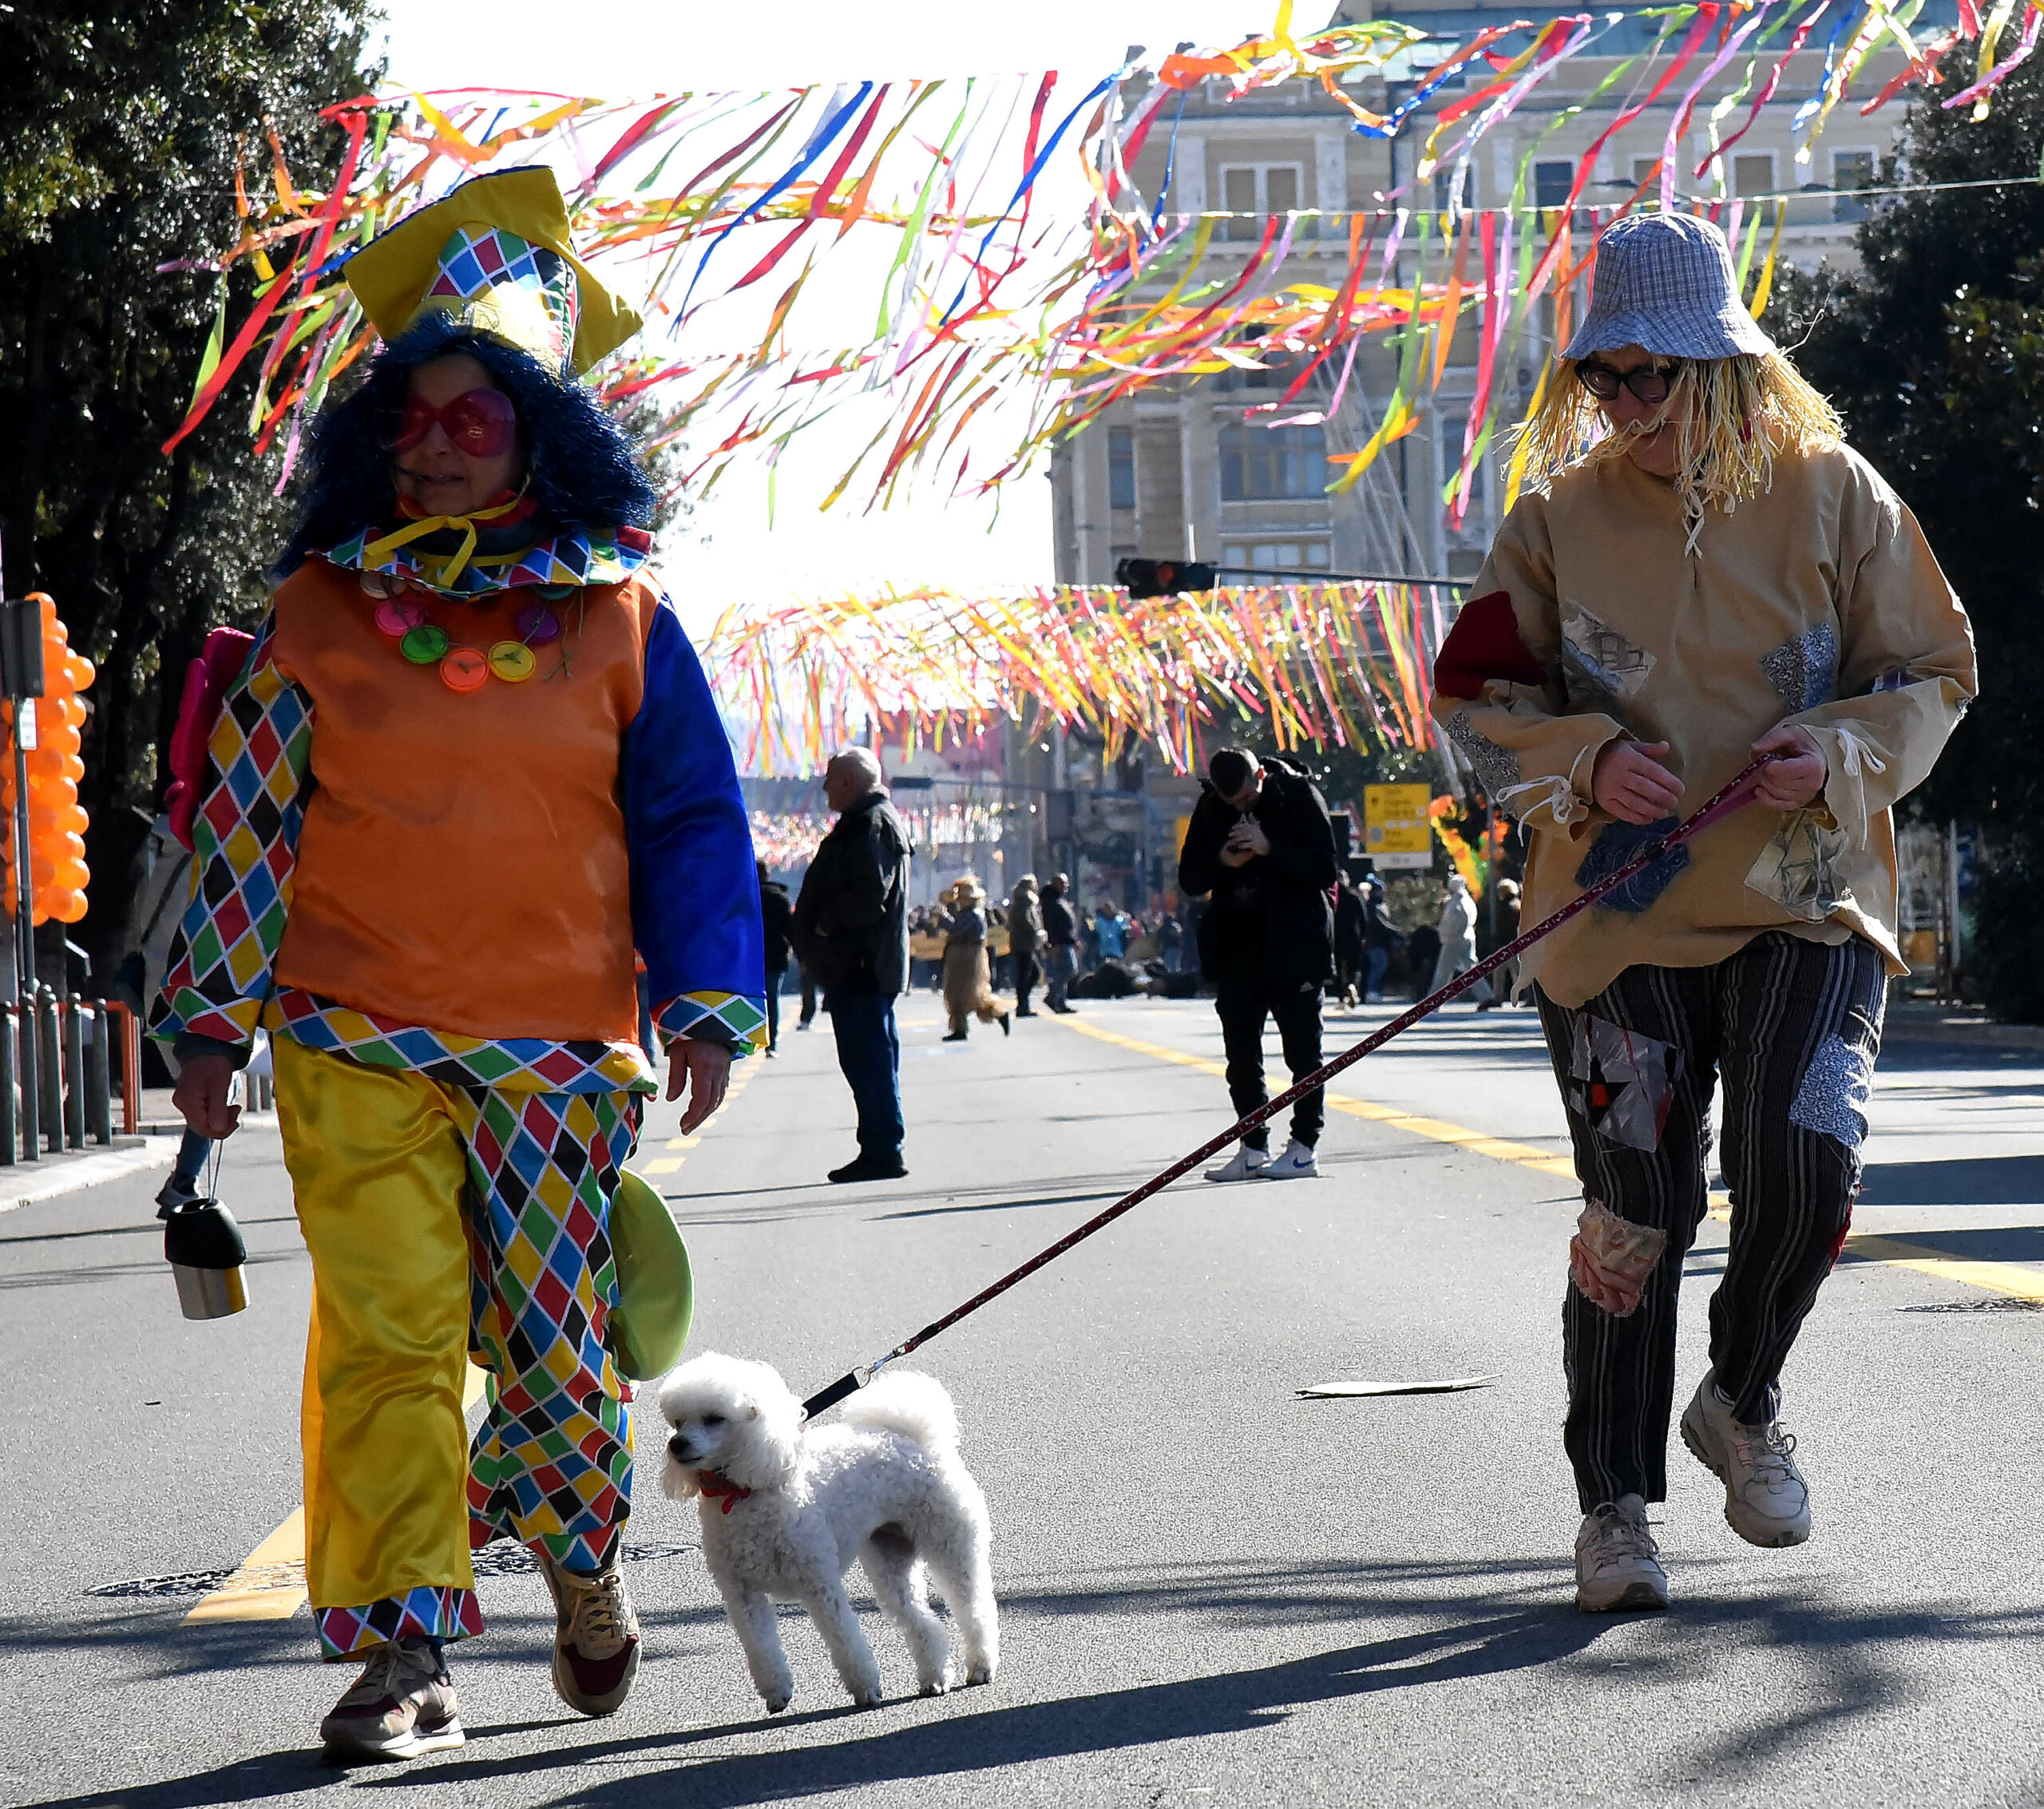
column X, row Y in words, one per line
column 665, row 1165
column 269, row 1585
column 2009, row 1279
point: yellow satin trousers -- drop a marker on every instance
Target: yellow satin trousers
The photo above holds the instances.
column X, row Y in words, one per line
column 379, row 1168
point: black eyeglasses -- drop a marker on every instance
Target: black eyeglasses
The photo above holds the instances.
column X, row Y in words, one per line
column 1651, row 382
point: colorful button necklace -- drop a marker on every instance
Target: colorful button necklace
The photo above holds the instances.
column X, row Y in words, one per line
column 462, row 668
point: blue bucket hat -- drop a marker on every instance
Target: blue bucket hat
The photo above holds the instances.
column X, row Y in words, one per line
column 1664, row 283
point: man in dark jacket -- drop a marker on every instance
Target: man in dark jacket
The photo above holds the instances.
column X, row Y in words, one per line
column 777, row 918
column 1061, row 938
column 1260, row 842
column 851, row 932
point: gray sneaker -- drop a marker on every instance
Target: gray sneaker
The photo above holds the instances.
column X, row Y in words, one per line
column 1766, row 1501
column 595, row 1645
column 1617, row 1565
column 402, row 1705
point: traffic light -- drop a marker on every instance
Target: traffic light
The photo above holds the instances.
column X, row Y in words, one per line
column 1163, row 577
column 56, row 821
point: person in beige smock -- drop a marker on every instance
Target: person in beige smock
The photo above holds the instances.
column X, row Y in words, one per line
column 1717, row 576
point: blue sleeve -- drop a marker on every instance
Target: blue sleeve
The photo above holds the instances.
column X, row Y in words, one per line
column 694, row 890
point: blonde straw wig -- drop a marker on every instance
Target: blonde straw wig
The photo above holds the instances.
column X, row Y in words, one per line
column 1734, row 414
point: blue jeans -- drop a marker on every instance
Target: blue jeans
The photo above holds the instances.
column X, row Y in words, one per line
column 1379, row 958
column 869, row 1052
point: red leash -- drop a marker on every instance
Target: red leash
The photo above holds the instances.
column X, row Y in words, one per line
column 1722, row 805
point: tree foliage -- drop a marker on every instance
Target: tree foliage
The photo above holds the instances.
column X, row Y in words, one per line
column 1934, row 352
column 123, row 125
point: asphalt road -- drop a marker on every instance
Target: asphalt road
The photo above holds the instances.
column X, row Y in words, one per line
column 1213, row 1591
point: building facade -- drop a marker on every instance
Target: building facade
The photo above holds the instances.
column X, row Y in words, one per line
column 1184, row 470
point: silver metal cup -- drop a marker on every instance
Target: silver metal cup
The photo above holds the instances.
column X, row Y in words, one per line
column 209, row 1293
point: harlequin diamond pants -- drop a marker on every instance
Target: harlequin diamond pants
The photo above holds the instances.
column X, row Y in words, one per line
column 449, row 1224
column 1792, row 1027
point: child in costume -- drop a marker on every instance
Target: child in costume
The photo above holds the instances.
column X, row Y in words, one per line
column 470, row 765
column 1703, row 573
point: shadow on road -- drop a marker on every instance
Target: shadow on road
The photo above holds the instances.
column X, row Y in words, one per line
column 1465, row 1621
column 1974, row 1181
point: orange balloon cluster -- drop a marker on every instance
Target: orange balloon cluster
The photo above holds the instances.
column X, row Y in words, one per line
column 56, row 821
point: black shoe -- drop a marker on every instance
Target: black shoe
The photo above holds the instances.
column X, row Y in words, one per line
column 1005, row 1028
column 956, row 1036
column 1023, row 1012
column 871, row 1168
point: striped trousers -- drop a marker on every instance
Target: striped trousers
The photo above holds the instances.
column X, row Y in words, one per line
column 1791, row 1027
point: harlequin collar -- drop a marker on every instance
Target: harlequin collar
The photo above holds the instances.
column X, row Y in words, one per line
column 574, row 557
column 721, row 1488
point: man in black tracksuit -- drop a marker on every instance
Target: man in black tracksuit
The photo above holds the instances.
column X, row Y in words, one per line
column 1261, row 843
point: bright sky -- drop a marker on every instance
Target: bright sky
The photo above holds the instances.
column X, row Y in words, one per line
column 620, row 49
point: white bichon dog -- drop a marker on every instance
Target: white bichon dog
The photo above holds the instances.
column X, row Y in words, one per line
column 786, row 1511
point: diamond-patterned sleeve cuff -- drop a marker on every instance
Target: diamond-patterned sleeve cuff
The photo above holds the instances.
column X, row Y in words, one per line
column 735, row 1020
column 245, row 846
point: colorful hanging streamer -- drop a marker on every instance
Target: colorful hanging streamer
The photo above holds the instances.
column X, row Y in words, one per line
column 693, row 200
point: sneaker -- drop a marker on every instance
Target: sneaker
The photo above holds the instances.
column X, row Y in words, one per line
column 1246, row 1164
column 1617, row 1565
column 871, row 1168
column 1766, row 1501
column 595, row 1640
column 175, row 1193
column 402, row 1705
column 1298, row 1163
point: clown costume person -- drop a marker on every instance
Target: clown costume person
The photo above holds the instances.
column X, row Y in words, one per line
column 1701, row 573
column 470, row 764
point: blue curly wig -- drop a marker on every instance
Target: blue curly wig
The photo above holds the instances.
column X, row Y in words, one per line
column 582, row 468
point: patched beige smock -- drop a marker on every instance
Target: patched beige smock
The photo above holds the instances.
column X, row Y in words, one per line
column 1818, row 602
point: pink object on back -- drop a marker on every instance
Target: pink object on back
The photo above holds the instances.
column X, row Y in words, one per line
column 206, row 680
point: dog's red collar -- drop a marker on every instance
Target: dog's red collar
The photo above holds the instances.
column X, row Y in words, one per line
column 720, row 1488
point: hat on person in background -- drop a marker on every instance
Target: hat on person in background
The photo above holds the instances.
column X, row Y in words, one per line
column 1664, row 282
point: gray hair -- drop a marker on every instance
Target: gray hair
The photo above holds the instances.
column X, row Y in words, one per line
column 862, row 760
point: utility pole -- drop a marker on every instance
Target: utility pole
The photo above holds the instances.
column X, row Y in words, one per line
column 21, row 683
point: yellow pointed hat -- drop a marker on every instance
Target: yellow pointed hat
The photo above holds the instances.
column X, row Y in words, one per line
column 495, row 254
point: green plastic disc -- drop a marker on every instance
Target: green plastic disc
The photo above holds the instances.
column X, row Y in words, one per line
column 424, row 645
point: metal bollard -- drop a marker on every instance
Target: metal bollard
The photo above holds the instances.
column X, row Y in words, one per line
column 49, row 1069
column 28, row 1089
column 71, row 1028
column 9, row 1108
column 99, row 1083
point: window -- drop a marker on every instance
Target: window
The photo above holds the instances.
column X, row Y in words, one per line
column 1851, row 170
column 1251, row 190
column 1240, row 557
column 1645, row 171
column 1552, row 183
column 1266, row 464
column 1753, row 173
column 1443, row 180
column 1121, row 468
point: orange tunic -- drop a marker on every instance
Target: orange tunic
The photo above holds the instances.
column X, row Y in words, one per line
column 463, row 863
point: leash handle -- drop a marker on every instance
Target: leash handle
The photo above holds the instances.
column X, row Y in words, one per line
column 1720, row 804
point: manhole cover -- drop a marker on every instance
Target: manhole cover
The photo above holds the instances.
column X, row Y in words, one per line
column 504, row 1558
